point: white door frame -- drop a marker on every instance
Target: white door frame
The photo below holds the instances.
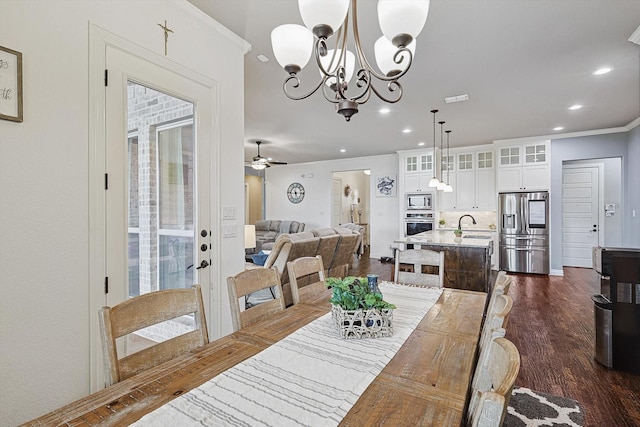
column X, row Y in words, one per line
column 99, row 39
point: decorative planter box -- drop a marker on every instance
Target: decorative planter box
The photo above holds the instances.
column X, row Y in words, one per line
column 355, row 324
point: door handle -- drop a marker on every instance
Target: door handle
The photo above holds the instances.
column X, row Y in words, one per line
column 203, row 264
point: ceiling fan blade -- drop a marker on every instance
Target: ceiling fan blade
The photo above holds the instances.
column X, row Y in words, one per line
column 274, row 162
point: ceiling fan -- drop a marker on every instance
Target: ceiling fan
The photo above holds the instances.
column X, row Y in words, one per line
column 260, row 162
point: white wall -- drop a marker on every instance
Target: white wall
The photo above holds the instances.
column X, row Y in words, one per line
column 315, row 209
column 44, row 174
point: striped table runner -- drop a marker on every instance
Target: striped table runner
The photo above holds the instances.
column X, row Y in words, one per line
column 311, row 378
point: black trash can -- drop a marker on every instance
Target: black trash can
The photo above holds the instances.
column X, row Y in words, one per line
column 603, row 321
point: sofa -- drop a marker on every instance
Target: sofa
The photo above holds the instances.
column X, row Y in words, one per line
column 268, row 230
column 337, row 247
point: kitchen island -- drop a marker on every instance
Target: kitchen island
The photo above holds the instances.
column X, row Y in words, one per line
column 467, row 260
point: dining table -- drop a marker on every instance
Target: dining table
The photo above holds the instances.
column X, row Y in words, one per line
column 425, row 381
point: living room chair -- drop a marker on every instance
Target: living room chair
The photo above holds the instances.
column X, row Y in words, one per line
column 248, row 282
column 306, row 276
column 147, row 310
column 419, row 258
column 493, row 383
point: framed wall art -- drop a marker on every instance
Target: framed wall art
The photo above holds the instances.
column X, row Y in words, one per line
column 10, row 84
column 386, row 186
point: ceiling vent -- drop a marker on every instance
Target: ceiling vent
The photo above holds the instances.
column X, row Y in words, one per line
column 457, row 98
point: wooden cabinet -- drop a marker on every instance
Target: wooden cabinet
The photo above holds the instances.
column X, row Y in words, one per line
column 523, row 167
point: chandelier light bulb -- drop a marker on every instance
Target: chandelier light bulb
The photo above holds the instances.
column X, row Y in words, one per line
column 402, row 20
column 317, row 14
column 385, row 52
column 338, row 61
column 292, row 46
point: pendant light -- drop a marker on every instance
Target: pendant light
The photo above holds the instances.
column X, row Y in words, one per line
column 448, row 188
column 434, row 181
column 441, row 184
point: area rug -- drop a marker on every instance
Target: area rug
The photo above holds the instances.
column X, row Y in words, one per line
column 529, row 408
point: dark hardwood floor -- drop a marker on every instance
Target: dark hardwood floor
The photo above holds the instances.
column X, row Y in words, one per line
column 552, row 326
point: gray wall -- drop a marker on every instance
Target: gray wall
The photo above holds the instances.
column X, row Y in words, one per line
column 585, row 148
column 631, row 223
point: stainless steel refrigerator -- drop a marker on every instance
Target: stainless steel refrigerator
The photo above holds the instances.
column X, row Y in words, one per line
column 524, row 232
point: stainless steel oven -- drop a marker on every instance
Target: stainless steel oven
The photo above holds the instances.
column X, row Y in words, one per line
column 415, row 223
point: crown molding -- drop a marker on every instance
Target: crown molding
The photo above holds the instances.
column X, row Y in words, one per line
column 620, row 129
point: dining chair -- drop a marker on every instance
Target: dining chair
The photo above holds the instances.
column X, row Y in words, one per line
column 247, row 282
column 144, row 311
column 497, row 317
column 306, row 276
column 419, row 258
column 493, row 383
column 500, row 287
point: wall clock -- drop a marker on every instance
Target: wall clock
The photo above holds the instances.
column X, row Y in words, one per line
column 295, row 192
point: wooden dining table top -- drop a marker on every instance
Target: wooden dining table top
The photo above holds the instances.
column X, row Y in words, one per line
column 426, row 383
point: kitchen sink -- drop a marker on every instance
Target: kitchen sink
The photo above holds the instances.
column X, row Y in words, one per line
column 476, row 236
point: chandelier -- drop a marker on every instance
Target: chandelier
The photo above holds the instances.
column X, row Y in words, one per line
column 400, row 21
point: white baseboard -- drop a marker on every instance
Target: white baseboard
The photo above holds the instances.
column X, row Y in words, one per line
column 554, row 272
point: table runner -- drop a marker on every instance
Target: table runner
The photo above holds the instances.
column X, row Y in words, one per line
column 310, row 378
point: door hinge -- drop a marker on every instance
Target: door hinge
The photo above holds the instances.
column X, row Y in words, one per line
column 106, row 181
column 106, row 285
column 106, row 77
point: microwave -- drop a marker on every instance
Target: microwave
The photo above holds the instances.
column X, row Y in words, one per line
column 419, row 201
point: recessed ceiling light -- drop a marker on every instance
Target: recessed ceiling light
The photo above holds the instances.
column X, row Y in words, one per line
column 406, row 130
column 601, row 71
column 457, row 98
column 342, row 150
column 262, row 58
column 557, row 128
column 575, row 107
column 384, row 110
column 420, row 144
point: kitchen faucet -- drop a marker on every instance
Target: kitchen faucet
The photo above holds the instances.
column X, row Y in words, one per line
column 460, row 221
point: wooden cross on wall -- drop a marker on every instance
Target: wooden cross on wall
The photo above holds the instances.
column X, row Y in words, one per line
column 167, row 30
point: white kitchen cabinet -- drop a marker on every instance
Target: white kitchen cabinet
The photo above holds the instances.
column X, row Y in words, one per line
column 447, row 201
column 525, row 167
column 418, row 169
column 474, row 185
column 417, row 182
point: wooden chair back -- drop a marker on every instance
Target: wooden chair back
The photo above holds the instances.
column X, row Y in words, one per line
column 493, row 383
column 418, row 258
column 250, row 281
column 497, row 318
column 500, row 287
column 306, row 276
column 144, row 311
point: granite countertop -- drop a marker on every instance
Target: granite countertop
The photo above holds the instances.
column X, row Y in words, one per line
column 447, row 238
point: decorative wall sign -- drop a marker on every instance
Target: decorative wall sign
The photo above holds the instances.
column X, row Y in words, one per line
column 10, row 84
column 386, row 186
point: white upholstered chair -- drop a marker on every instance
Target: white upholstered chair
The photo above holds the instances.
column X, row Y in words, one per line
column 419, row 258
column 306, row 276
column 147, row 310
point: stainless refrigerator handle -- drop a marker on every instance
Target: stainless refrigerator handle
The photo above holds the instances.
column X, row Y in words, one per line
column 531, row 248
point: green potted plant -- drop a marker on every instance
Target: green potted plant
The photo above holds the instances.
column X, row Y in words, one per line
column 358, row 312
column 442, row 222
column 457, row 232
